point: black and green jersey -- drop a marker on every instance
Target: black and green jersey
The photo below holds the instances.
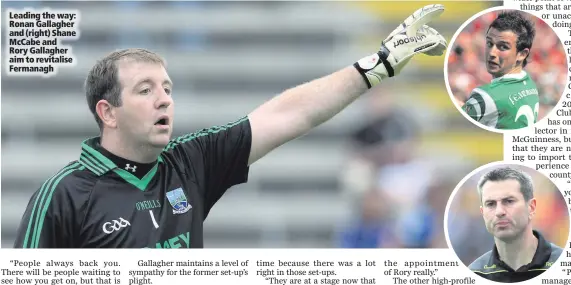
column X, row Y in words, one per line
column 490, row 265
column 94, row 203
column 508, row 102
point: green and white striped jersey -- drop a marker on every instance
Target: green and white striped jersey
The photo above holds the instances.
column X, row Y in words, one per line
column 508, row 102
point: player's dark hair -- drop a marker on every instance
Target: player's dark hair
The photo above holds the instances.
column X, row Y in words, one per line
column 102, row 82
column 520, row 25
column 506, row 173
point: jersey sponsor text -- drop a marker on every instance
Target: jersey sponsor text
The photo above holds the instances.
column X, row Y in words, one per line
column 522, row 94
column 180, row 241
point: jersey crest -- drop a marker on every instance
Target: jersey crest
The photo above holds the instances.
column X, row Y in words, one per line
column 178, row 201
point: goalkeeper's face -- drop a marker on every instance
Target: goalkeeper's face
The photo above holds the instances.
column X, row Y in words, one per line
column 502, row 56
column 145, row 116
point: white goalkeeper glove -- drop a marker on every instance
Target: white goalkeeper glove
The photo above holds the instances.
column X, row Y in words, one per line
column 409, row 38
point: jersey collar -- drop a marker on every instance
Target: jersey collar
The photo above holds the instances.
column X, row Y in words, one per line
column 517, row 76
column 541, row 256
column 94, row 160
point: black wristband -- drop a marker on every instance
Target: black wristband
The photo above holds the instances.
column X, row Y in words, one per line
column 383, row 54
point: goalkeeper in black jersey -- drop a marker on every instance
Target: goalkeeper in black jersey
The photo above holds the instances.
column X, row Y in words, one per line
column 134, row 186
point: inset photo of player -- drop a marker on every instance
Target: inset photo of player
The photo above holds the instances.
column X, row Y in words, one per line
column 506, row 222
column 505, row 69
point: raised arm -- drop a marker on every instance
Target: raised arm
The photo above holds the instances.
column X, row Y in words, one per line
column 298, row 110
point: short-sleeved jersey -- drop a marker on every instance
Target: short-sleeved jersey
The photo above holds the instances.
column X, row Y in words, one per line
column 508, row 102
column 93, row 203
column 490, row 266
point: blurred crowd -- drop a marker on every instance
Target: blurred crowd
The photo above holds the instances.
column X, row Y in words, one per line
column 546, row 62
column 126, row 36
column 399, row 184
column 399, row 197
column 400, row 194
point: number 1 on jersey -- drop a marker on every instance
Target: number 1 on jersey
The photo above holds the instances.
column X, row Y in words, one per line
column 153, row 219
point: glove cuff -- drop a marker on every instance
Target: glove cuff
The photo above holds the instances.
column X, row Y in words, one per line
column 371, row 69
column 363, row 74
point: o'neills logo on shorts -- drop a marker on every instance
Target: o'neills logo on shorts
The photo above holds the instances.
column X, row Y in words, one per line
column 409, row 40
